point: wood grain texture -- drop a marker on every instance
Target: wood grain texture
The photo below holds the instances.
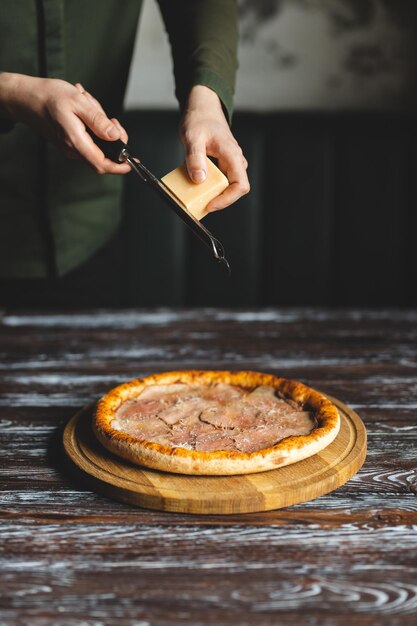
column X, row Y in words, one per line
column 306, row 480
column 70, row 557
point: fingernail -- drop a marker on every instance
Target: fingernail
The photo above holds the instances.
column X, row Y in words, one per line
column 112, row 132
column 199, row 176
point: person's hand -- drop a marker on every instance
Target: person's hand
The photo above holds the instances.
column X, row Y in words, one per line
column 205, row 131
column 62, row 112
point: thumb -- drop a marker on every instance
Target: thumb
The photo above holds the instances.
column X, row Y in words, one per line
column 196, row 161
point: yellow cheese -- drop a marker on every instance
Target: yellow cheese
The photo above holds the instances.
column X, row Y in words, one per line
column 196, row 196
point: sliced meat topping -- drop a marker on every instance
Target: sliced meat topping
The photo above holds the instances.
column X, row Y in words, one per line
column 265, row 401
column 212, row 417
column 138, row 409
column 256, row 439
column 303, row 421
column 163, row 440
column 158, row 392
column 267, row 435
column 262, row 391
column 221, row 392
column 144, row 429
column 215, row 441
column 183, row 409
column 194, row 427
column 235, row 415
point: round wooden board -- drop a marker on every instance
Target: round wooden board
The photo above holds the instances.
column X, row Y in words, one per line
column 121, row 480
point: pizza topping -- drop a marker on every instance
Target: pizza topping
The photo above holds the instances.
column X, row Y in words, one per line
column 267, row 434
column 215, row 441
column 138, row 410
column 193, row 427
column 237, row 415
column 212, row 417
column 164, row 392
column 183, row 409
column 144, row 428
column 222, row 392
column 256, row 439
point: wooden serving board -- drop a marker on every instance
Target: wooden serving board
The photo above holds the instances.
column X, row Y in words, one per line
column 121, row 480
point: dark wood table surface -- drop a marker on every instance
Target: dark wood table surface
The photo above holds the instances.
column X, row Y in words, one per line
column 69, row 556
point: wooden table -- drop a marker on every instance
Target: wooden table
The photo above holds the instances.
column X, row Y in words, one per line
column 71, row 557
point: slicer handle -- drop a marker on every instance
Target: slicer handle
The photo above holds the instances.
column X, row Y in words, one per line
column 117, row 151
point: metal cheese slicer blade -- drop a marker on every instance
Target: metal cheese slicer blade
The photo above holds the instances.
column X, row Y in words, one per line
column 120, row 152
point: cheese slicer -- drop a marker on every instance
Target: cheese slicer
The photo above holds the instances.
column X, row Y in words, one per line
column 120, row 153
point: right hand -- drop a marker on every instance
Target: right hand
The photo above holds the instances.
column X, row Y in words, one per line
column 62, row 112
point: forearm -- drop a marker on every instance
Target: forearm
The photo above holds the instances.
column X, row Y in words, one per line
column 15, row 92
column 7, row 95
column 203, row 37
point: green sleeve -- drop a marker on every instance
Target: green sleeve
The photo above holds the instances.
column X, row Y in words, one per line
column 203, row 36
column 6, row 125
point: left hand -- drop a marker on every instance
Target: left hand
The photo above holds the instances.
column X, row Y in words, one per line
column 205, row 131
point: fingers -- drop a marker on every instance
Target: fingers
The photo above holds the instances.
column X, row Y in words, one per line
column 88, row 95
column 196, row 159
column 94, row 118
column 123, row 134
column 234, row 165
column 204, row 132
column 98, row 122
column 90, row 111
column 77, row 138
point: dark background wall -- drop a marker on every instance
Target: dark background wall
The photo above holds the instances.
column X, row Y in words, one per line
column 325, row 113
column 331, row 218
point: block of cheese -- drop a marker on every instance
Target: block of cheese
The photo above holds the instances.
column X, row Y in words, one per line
column 196, row 196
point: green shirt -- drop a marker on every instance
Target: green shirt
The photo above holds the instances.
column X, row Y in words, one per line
column 55, row 212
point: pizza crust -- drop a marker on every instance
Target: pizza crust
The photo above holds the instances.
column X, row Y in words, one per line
column 221, row 462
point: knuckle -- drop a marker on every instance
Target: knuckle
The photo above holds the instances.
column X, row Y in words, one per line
column 191, row 153
column 233, row 151
column 192, row 137
column 194, row 161
column 244, row 188
column 188, row 135
column 233, row 144
column 93, row 116
column 99, row 120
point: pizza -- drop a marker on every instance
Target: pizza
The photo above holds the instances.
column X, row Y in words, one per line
column 215, row 422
